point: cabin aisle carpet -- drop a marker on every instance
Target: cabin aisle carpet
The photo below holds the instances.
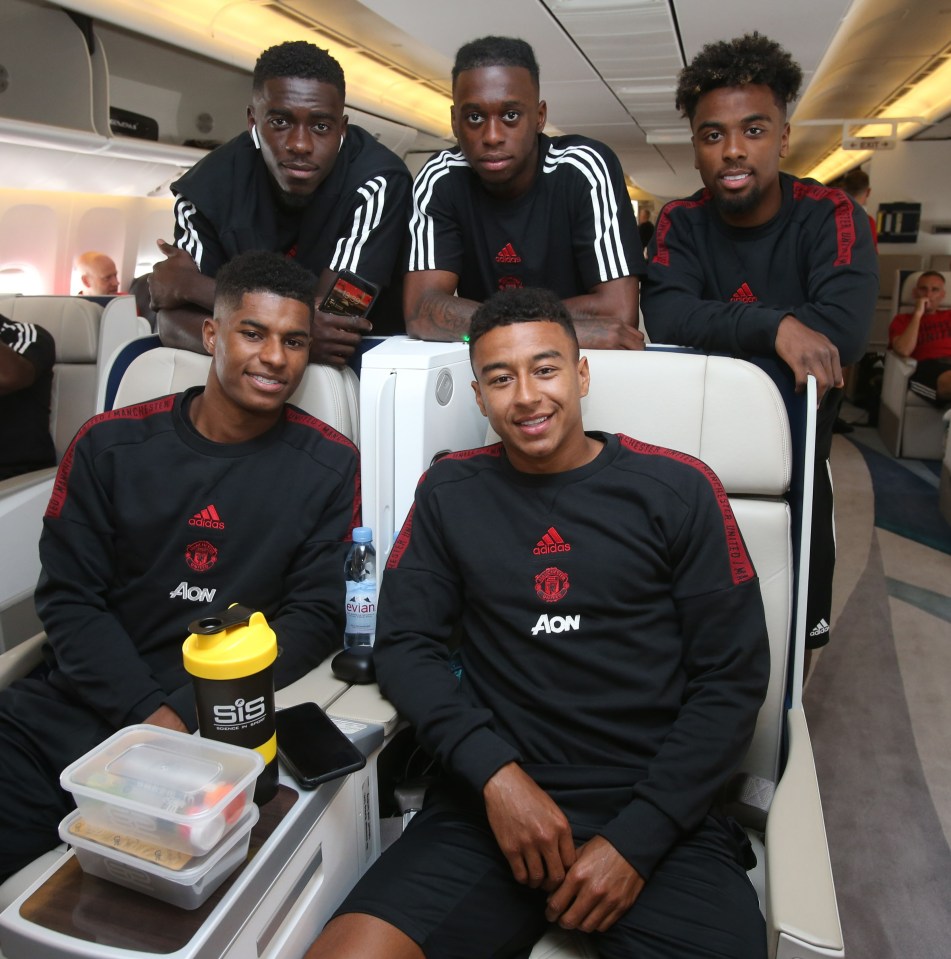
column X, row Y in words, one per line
column 877, row 708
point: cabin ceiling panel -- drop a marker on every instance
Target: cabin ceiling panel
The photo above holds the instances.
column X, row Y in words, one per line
column 607, row 65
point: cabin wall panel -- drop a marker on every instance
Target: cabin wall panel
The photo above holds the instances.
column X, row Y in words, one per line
column 28, row 236
column 46, row 230
column 915, row 172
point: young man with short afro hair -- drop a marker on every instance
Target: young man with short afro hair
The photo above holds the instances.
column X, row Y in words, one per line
column 762, row 264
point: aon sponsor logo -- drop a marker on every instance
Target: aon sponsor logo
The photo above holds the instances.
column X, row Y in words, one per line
column 556, row 624
column 196, row 594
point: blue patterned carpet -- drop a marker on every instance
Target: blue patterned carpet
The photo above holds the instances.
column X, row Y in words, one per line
column 906, row 494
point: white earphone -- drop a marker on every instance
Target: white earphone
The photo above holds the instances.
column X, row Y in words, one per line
column 254, row 136
column 342, row 136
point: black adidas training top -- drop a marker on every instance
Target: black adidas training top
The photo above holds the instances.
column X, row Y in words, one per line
column 614, row 636
column 151, row 526
column 571, row 231
column 356, row 219
column 723, row 288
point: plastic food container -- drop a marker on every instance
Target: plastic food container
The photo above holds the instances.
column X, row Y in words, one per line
column 187, row 885
column 166, row 788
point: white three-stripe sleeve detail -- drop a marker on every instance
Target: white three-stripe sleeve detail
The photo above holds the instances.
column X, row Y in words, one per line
column 26, row 336
column 366, row 218
column 189, row 241
column 608, row 246
column 421, row 225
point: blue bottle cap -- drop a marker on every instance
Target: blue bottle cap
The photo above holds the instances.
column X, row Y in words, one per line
column 362, row 534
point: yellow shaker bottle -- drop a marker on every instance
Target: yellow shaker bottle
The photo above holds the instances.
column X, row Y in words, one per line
column 230, row 656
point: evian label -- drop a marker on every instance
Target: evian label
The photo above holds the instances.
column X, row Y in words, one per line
column 361, row 607
column 556, row 624
column 195, row 594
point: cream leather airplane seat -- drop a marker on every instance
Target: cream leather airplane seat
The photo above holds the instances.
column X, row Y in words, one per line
column 325, row 392
column 910, row 425
column 74, row 325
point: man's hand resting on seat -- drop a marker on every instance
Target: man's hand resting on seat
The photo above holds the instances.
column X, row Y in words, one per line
column 805, row 351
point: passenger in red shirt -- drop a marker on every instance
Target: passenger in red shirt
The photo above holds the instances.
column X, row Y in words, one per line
column 925, row 336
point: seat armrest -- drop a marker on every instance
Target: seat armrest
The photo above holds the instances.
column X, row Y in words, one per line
column 801, row 911
column 897, row 373
column 18, row 661
column 23, row 501
column 318, row 686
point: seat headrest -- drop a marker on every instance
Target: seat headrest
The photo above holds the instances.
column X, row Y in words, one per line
column 911, row 281
column 724, row 411
column 72, row 321
column 324, row 392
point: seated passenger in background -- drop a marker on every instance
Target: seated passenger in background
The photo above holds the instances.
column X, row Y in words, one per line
column 129, row 559
column 300, row 182
column 27, row 355
column 925, row 336
column 582, row 752
column 98, row 274
column 511, row 207
column 760, row 263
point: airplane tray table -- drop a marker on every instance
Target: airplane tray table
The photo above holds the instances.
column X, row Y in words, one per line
column 307, row 850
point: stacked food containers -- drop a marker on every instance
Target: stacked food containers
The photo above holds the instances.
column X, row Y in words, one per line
column 162, row 812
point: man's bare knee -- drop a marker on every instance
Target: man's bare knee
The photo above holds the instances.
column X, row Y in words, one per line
column 358, row 936
column 943, row 387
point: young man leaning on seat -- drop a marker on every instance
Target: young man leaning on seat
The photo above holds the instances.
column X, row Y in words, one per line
column 762, row 264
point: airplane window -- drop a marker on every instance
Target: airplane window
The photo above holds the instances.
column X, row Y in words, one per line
column 20, row 278
column 145, row 266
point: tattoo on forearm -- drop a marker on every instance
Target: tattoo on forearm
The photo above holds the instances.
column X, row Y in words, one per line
column 446, row 313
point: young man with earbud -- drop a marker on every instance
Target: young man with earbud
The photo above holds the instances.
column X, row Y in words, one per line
column 301, row 182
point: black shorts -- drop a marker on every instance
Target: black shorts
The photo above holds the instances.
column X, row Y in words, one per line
column 41, row 732
column 446, row 885
column 924, row 381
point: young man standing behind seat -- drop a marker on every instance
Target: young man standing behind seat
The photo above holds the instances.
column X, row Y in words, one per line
column 608, row 690
column 301, row 181
column 760, row 263
column 511, row 207
column 163, row 513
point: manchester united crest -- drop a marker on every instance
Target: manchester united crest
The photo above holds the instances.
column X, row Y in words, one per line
column 551, row 584
column 201, row 556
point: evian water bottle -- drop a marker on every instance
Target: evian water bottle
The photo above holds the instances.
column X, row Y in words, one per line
column 360, row 575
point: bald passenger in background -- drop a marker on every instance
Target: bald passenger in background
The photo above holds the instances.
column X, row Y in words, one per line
column 98, row 274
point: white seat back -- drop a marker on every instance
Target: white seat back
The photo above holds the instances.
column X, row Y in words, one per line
column 329, row 394
column 120, row 324
column 74, row 323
